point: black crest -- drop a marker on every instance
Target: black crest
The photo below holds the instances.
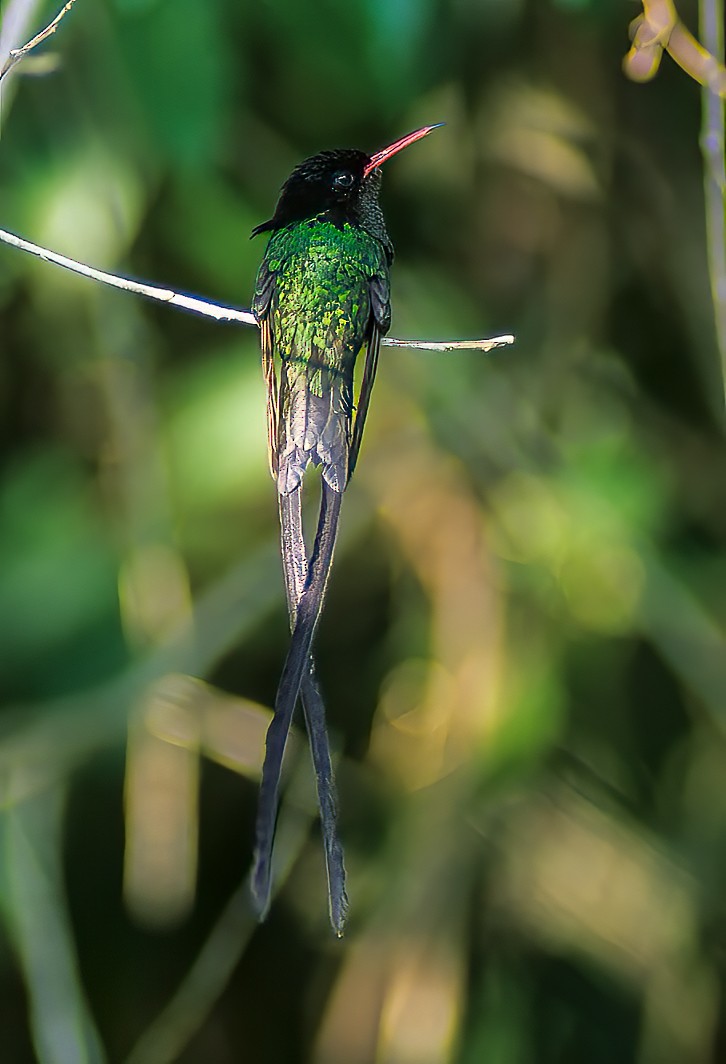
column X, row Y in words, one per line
column 331, row 182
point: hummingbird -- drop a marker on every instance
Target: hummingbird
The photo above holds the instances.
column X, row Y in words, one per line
column 322, row 297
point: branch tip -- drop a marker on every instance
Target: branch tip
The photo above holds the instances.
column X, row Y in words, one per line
column 18, row 54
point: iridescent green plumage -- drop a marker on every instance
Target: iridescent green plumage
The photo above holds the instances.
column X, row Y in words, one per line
column 322, row 290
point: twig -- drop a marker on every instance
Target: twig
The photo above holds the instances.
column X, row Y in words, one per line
column 16, row 17
column 17, row 54
column 217, row 310
column 162, row 295
column 450, row 345
column 714, row 175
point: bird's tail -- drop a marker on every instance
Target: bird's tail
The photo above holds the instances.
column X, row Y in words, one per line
column 297, row 666
column 295, row 565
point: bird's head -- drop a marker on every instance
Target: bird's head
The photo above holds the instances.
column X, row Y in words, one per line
column 341, row 184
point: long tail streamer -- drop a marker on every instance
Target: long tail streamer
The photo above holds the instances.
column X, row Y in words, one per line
column 298, row 677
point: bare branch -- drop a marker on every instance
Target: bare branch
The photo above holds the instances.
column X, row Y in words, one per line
column 17, row 54
column 216, row 310
column 162, row 295
column 450, row 345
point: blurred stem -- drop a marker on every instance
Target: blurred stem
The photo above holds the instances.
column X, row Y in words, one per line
column 35, row 911
column 204, row 983
column 686, row 635
column 161, row 783
column 166, row 1037
column 77, row 725
column 712, row 146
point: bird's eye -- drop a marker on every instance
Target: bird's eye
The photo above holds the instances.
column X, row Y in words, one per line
column 343, row 180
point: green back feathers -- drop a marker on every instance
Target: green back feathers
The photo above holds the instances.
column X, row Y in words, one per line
column 321, row 294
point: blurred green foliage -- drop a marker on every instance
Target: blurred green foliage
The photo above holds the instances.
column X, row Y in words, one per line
column 523, row 654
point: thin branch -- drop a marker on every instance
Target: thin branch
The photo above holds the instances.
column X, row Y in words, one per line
column 714, row 175
column 16, row 17
column 451, row 345
column 216, row 310
column 162, row 295
column 17, row 54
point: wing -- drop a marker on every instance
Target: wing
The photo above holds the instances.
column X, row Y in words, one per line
column 380, row 323
column 273, row 396
column 264, row 288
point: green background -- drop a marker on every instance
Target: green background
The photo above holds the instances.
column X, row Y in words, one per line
column 523, row 649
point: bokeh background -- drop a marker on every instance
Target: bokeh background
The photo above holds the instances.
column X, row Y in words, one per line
column 523, row 650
